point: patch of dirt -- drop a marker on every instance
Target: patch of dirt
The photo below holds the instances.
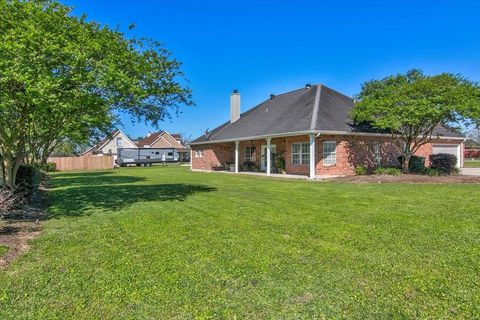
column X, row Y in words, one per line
column 303, row 299
column 20, row 226
column 407, row 178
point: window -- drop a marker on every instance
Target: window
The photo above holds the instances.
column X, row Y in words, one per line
column 249, row 152
column 377, row 157
column 329, row 153
column 199, row 154
column 170, row 154
column 157, row 152
column 300, row 153
column 119, row 141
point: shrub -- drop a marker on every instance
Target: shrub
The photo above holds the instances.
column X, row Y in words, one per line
column 432, row 172
column 444, row 162
column 249, row 166
column 280, row 162
column 361, row 171
column 391, row 171
column 416, row 164
column 28, row 179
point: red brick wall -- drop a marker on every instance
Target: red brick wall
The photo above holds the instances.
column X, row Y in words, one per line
column 213, row 154
column 351, row 151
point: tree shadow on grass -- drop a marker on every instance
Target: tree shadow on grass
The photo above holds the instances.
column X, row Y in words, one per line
column 91, row 178
column 75, row 201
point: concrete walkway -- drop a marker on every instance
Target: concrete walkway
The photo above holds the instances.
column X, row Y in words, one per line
column 470, row 171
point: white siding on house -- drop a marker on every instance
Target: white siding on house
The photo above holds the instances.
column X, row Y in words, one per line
column 111, row 146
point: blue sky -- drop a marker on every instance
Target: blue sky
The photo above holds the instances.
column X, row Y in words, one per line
column 263, row 47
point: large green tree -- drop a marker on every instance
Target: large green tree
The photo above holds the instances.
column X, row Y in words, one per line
column 63, row 77
column 410, row 106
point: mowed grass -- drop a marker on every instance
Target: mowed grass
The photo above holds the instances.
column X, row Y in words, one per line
column 471, row 163
column 3, row 250
column 160, row 243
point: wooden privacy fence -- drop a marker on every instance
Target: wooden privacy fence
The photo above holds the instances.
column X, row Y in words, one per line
column 82, row 163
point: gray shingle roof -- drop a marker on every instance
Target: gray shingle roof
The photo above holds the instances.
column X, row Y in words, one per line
column 317, row 108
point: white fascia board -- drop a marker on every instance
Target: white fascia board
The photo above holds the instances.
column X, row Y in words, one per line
column 319, row 132
column 275, row 135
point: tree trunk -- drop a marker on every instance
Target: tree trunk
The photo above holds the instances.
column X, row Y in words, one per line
column 2, row 172
column 405, row 163
column 10, row 166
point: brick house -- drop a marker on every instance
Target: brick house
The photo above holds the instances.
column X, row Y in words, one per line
column 312, row 130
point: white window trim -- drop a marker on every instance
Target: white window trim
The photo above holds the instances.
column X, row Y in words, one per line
column 301, row 153
column 334, row 153
column 377, row 158
column 251, row 153
column 198, row 153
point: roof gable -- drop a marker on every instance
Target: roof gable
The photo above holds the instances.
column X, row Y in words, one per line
column 157, row 137
column 149, row 140
column 288, row 112
column 102, row 143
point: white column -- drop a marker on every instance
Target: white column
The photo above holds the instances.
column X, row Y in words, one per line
column 191, row 157
column 312, row 156
column 236, row 156
column 269, row 169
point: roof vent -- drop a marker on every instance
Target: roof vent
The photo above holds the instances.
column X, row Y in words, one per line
column 308, row 86
column 272, row 96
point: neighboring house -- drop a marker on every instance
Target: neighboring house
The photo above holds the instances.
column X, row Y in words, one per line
column 312, row 130
column 472, row 149
column 110, row 144
column 163, row 139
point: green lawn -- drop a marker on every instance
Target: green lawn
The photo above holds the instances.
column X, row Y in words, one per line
column 3, row 250
column 471, row 163
column 159, row 243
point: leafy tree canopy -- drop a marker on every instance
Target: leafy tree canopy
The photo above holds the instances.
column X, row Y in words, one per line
column 410, row 106
column 63, row 77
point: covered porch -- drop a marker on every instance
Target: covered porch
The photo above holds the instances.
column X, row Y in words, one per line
column 276, row 156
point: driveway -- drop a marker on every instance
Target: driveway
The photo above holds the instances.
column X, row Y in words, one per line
column 470, row 171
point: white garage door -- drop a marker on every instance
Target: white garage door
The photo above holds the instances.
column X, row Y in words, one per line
column 448, row 148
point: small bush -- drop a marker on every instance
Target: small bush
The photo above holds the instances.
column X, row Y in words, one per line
column 416, row 164
column 361, row 171
column 250, row 166
column 28, row 179
column 391, row 171
column 280, row 162
column 432, row 172
column 444, row 162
